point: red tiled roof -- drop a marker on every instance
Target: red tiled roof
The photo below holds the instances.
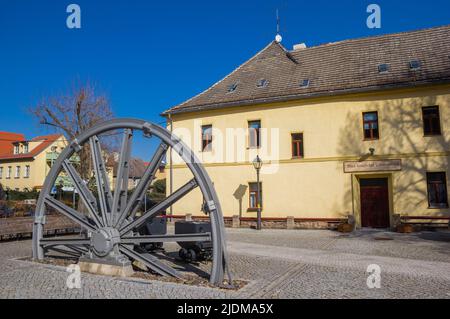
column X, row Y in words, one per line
column 7, row 152
column 52, row 137
column 6, row 140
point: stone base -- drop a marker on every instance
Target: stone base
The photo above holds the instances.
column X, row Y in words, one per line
column 405, row 229
column 236, row 223
column 345, row 228
column 106, row 269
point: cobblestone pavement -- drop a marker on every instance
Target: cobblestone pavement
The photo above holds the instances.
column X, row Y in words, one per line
column 276, row 263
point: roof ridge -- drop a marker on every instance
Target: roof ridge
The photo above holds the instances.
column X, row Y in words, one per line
column 387, row 35
column 46, row 137
column 230, row 74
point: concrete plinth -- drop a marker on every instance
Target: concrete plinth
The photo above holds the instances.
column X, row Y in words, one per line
column 106, row 269
column 290, row 222
column 236, row 223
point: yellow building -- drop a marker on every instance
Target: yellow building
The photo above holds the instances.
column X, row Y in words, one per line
column 24, row 164
column 355, row 128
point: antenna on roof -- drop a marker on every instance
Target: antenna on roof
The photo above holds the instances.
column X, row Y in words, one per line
column 278, row 37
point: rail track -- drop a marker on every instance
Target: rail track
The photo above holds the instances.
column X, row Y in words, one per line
column 22, row 227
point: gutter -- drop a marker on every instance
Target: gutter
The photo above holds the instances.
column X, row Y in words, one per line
column 292, row 97
column 3, row 159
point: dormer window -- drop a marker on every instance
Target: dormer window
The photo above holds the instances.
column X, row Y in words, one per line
column 262, row 83
column 26, row 148
column 414, row 65
column 383, row 68
column 304, row 83
column 16, row 149
column 232, row 87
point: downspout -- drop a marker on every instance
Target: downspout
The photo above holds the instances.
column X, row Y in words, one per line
column 353, row 198
column 170, row 165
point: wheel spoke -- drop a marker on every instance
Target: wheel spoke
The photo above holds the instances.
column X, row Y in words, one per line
column 76, row 245
column 166, row 238
column 139, row 192
column 123, row 171
column 69, row 212
column 104, row 190
column 85, row 194
column 63, row 251
column 151, row 262
column 65, row 242
column 79, row 249
column 169, row 201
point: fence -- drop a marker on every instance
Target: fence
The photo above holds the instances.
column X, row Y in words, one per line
column 22, row 227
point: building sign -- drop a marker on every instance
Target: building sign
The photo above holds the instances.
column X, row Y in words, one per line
column 373, row 166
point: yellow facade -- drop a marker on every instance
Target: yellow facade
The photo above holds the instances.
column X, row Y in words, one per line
column 39, row 167
column 317, row 186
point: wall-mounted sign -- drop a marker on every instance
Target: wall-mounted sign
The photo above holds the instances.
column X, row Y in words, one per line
column 373, row 166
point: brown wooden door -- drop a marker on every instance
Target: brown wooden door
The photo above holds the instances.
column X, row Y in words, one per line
column 374, row 203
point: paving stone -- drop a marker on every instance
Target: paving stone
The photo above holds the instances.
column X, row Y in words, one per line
column 276, row 263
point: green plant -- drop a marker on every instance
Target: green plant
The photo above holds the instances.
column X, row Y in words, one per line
column 22, row 195
column 2, row 193
column 159, row 186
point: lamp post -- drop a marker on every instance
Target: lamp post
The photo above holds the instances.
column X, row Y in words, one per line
column 257, row 164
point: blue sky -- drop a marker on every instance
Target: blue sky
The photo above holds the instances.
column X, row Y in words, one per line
column 150, row 55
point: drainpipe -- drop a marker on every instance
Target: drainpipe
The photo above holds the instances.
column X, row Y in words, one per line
column 353, row 195
column 171, row 167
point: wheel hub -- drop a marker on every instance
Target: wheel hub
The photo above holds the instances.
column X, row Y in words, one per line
column 104, row 240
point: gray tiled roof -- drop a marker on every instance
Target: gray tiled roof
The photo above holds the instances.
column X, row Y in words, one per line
column 137, row 168
column 335, row 68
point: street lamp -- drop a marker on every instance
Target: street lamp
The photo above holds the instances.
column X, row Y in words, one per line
column 257, row 164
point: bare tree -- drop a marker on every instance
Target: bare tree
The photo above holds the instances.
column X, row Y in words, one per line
column 72, row 114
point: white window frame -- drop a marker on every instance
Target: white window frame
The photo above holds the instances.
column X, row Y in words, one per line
column 26, row 148
column 1, row 172
column 17, row 172
column 9, row 172
column 16, row 149
column 27, row 171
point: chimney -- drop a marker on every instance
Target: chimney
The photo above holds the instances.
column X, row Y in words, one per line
column 299, row 46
